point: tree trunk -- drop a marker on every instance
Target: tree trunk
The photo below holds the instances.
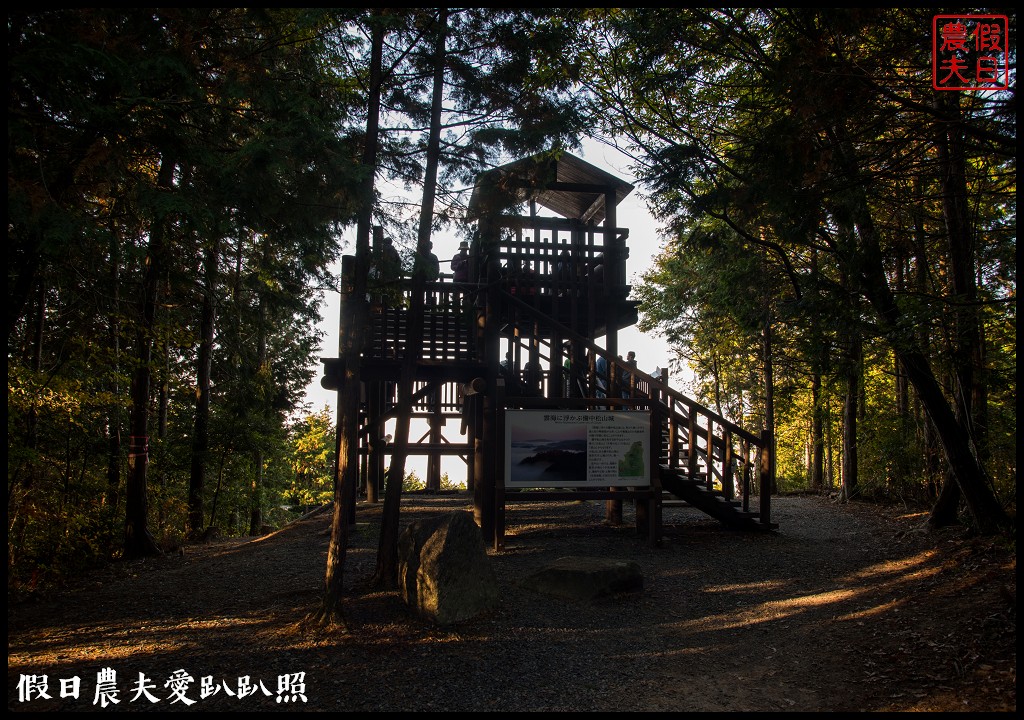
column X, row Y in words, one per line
column 946, row 510
column 23, row 262
column 928, row 437
column 163, row 400
column 830, row 465
column 138, row 541
column 387, row 553
column 817, row 435
column 34, row 330
column 350, row 342
column 386, row 575
column 256, row 495
column 204, row 363
column 819, row 361
column 901, row 390
column 967, row 351
column 114, row 411
column 164, row 394
column 987, row 514
column 769, row 396
column 849, row 479
column 263, row 375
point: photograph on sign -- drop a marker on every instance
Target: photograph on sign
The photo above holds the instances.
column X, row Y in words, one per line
column 546, row 448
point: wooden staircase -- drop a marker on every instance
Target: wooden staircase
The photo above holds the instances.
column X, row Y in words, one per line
column 714, row 503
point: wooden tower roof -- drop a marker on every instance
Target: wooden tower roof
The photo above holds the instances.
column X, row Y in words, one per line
column 562, row 183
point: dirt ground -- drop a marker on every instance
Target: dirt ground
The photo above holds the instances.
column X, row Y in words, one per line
column 846, row 607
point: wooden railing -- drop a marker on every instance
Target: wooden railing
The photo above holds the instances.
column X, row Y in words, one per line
column 553, row 254
column 448, row 315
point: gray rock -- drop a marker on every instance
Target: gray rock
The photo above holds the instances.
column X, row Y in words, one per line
column 586, row 578
column 444, row 573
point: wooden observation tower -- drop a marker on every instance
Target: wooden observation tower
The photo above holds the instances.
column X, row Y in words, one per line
column 521, row 355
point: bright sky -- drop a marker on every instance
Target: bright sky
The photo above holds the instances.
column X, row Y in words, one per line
column 644, row 245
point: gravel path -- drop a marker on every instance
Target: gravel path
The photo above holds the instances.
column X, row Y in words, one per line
column 844, row 608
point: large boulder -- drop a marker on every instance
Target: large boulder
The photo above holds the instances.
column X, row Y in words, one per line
column 444, row 573
column 586, row 578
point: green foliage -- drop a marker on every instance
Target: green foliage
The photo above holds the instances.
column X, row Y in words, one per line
column 312, row 442
column 412, row 483
column 787, row 203
column 448, row 484
column 251, row 109
column 59, row 520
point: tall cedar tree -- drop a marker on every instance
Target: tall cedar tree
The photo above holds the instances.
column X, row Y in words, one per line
column 351, row 341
